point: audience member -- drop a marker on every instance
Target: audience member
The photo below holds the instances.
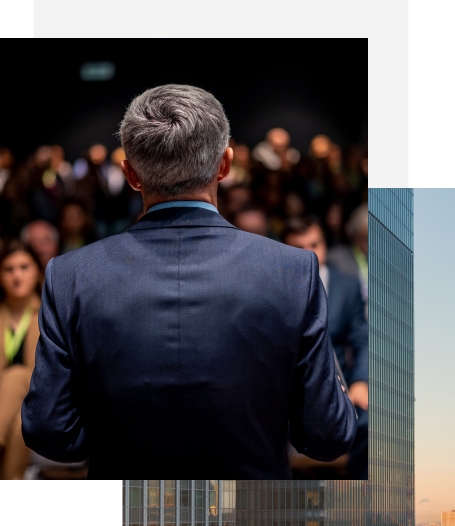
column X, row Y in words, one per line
column 20, row 301
column 353, row 258
column 101, row 186
column 45, row 188
column 348, row 329
column 334, row 224
column 76, row 229
column 63, row 168
column 240, row 167
column 275, row 153
column 43, row 238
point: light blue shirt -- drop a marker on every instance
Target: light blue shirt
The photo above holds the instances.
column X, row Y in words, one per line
column 193, row 204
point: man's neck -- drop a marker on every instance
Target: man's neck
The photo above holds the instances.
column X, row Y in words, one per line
column 204, row 196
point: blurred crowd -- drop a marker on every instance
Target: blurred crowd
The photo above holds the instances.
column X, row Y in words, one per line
column 57, row 206
column 315, row 199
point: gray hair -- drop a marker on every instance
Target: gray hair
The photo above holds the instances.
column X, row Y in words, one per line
column 357, row 221
column 25, row 232
column 174, row 137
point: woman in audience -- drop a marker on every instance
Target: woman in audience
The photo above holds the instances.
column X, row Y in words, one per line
column 20, row 275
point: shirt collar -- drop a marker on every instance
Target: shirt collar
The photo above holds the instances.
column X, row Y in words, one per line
column 193, row 204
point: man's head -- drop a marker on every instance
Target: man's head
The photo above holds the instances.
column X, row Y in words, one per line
column 43, row 238
column 175, row 139
column 308, row 234
column 278, row 138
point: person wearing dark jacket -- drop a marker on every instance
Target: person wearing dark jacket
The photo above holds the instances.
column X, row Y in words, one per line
column 348, row 329
column 184, row 347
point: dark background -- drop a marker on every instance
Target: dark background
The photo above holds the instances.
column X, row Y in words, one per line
column 307, row 86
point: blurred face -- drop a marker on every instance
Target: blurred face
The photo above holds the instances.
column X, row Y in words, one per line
column 279, row 139
column 43, row 243
column 293, row 205
column 312, row 239
column 335, row 154
column 252, row 221
column 97, row 153
column 117, row 156
column 73, row 219
column 334, row 217
column 6, row 158
column 57, row 156
column 320, row 146
column 43, row 156
column 241, row 155
column 19, row 275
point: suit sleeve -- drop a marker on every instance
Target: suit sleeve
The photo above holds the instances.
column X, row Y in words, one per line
column 51, row 421
column 322, row 418
column 358, row 338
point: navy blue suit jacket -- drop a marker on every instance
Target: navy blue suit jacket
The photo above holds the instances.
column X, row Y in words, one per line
column 347, row 324
column 182, row 348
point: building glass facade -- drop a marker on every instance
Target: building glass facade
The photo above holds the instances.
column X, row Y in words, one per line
column 179, row 502
column 387, row 498
column 391, row 355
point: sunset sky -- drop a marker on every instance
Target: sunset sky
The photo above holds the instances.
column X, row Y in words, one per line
column 434, row 285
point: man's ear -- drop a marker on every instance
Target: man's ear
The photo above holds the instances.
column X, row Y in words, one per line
column 131, row 175
column 225, row 165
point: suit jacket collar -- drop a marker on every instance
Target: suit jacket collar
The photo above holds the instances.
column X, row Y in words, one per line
column 181, row 216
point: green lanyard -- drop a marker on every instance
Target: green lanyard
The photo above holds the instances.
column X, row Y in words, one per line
column 14, row 341
column 362, row 261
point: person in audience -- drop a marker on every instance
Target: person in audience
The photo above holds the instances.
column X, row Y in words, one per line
column 43, row 238
column 275, row 153
column 75, row 227
column 333, row 221
column 240, row 168
column 20, row 273
column 353, row 258
column 348, row 329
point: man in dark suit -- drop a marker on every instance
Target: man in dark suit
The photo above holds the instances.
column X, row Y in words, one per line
column 348, row 330
column 183, row 347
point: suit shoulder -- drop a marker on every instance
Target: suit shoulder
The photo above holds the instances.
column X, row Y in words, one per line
column 91, row 252
column 276, row 248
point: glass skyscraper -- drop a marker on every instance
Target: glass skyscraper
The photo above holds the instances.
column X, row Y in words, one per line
column 387, row 497
column 175, row 502
column 391, row 355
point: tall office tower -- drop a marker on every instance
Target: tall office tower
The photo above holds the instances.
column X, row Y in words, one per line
column 179, row 502
column 387, row 498
column 448, row 518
